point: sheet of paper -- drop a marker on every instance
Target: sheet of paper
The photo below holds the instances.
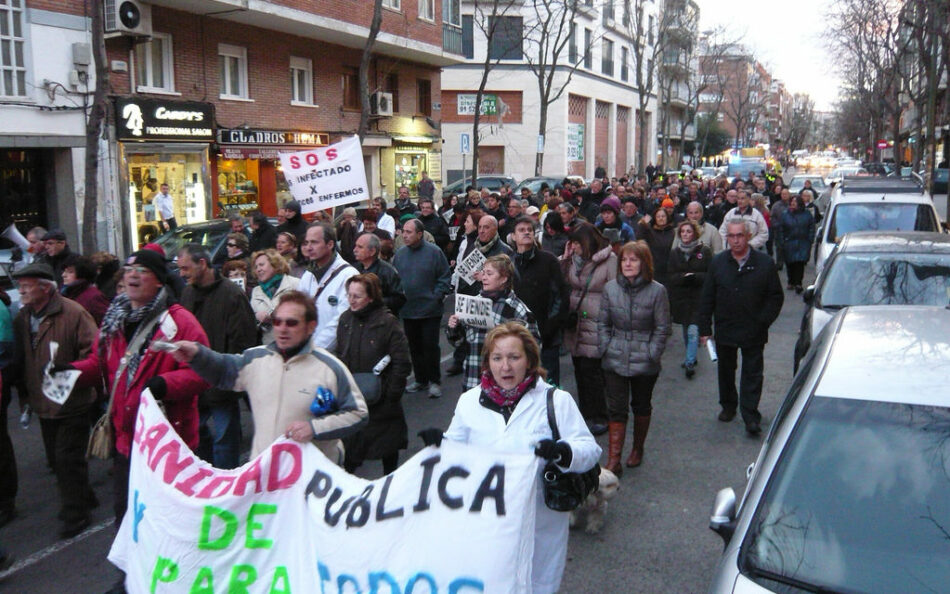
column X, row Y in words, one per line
column 58, row 386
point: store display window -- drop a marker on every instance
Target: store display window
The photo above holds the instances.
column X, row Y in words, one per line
column 238, row 186
column 409, row 168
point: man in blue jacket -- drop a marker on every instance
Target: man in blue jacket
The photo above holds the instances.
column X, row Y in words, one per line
column 426, row 280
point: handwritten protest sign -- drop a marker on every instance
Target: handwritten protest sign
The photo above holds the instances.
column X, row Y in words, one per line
column 470, row 265
column 454, row 519
column 453, row 233
column 58, row 386
column 474, row 311
column 328, row 176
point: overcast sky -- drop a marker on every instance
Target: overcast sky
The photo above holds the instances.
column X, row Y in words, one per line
column 786, row 37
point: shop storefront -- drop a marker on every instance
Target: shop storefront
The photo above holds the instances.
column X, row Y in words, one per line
column 247, row 168
column 411, row 155
column 163, row 142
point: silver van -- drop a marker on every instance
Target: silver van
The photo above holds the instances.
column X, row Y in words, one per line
column 851, row 489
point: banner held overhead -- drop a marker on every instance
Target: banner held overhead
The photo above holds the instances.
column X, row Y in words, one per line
column 326, row 177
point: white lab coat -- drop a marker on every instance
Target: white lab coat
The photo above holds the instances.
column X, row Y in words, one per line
column 331, row 302
column 478, row 425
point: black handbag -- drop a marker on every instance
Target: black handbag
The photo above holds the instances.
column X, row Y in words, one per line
column 565, row 491
column 370, row 386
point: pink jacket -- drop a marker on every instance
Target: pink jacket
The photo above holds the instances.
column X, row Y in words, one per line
column 184, row 385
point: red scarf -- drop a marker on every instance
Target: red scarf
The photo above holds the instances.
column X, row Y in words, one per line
column 502, row 397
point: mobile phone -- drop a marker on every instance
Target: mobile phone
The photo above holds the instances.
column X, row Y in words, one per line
column 164, row 347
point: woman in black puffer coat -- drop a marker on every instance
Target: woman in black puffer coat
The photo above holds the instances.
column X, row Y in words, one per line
column 689, row 261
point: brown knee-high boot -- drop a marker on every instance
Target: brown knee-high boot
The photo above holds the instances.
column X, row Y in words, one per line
column 616, row 433
column 641, row 424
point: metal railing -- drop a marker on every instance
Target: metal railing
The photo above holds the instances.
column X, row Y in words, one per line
column 452, row 38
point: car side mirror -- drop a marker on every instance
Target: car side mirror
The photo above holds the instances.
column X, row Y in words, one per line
column 722, row 520
column 809, row 295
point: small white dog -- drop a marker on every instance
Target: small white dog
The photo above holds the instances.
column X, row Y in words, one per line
column 594, row 507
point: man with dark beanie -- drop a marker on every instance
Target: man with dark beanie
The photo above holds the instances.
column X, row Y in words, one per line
column 294, row 221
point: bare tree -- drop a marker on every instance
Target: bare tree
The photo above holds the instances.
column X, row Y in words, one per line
column 716, row 47
column 799, row 123
column 647, row 52
column 365, row 63
column 94, row 119
column 550, row 32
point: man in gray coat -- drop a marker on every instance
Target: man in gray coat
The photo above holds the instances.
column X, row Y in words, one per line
column 426, row 280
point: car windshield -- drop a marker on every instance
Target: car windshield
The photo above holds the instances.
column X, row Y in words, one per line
column 798, row 183
column 887, row 279
column 881, row 216
column 859, row 501
column 207, row 235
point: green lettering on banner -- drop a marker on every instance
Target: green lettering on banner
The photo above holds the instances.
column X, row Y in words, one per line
column 242, row 576
column 280, row 573
column 252, row 525
column 165, row 570
column 204, row 582
column 230, row 529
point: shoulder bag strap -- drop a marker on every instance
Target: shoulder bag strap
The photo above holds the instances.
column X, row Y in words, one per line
column 552, row 420
column 143, row 334
column 332, row 275
column 586, row 288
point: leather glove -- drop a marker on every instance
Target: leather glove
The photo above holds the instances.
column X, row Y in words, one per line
column 158, row 387
column 554, row 451
column 431, row 436
column 63, row 367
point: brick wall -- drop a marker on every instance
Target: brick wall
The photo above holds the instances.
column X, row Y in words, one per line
column 577, row 107
column 64, row 6
column 405, row 22
column 268, row 54
column 623, row 117
column 601, row 133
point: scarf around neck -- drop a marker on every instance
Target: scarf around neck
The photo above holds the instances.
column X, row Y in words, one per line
column 270, row 285
column 486, row 247
column 502, row 397
column 121, row 313
column 687, row 248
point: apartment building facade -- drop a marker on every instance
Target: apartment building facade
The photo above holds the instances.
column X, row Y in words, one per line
column 679, row 80
column 592, row 122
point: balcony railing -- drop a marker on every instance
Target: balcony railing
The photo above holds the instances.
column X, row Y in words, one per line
column 452, row 38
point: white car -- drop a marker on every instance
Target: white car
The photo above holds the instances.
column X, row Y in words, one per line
column 839, row 174
column 874, row 205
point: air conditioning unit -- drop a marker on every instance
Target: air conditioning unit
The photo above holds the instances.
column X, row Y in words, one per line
column 381, row 104
column 131, row 18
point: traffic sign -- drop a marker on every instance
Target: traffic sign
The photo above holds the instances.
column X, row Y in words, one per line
column 465, row 142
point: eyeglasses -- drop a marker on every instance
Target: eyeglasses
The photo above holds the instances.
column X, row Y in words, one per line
column 137, row 269
column 289, row 322
column 232, row 244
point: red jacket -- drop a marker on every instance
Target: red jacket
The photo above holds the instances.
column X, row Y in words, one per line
column 184, row 385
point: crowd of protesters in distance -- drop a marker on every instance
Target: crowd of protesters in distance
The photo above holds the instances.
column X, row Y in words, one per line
column 600, row 271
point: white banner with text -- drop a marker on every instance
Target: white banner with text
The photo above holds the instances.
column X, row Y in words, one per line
column 328, row 176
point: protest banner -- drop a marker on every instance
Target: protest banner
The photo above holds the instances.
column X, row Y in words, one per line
column 474, row 311
column 326, row 177
column 470, row 265
column 451, row 519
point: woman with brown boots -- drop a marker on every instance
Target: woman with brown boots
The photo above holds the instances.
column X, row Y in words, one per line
column 633, row 327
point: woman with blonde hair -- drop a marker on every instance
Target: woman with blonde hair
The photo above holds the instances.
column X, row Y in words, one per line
column 508, row 411
column 633, row 327
column 273, row 277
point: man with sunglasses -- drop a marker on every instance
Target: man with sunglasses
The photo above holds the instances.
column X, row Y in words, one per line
column 293, row 369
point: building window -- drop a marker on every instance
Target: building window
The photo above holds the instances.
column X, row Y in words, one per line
column 427, row 10
column 301, row 81
column 393, row 4
column 650, row 29
column 624, row 59
column 452, row 12
column 626, row 13
column 233, row 63
column 392, row 87
column 154, row 64
column 572, row 45
column 608, row 12
column 424, row 93
column 468, row 36
column 351, row 89
column 506, row 41
column 588, row 55
column 607, row 57
column 13, row 56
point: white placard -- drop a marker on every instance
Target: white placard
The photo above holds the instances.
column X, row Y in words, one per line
column 328, row 176
column 453, row 233
column 450, row 519
column 474, row 311
column 470, row 265
column 58, row 386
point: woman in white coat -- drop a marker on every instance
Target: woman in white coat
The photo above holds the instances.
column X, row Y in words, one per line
column 274, row 279
column 509, row 411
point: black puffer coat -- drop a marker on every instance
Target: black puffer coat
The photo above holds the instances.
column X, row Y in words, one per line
column 687, row 272
column 362, row 339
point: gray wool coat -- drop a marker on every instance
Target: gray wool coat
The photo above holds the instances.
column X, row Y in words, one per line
column 633, row 326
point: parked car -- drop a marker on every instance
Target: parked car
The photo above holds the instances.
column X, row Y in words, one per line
column 211, row 234
column 850, row 490
column 941, row 175
column 534, row 184
column 876, row 268
column 839, row 173
column 797, row 182
column 492, row 182
column 874, row 204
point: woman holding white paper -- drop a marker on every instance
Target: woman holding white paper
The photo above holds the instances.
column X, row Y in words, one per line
column 508, row 411
column 496, row 277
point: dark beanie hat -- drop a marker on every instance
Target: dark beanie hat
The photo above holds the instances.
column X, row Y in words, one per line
column 150, row 260
column 293, row 205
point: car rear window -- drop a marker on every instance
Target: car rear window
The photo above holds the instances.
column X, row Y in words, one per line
column 886, row 279
column 206, row 235
column 858, row 502
column 881, row 216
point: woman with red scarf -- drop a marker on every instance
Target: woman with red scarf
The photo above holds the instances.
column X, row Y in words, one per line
column 508, row 411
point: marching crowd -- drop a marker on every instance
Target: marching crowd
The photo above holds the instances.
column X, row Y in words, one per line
column 326, row 322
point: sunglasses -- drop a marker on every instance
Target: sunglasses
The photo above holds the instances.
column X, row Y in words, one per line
column 289, row 322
